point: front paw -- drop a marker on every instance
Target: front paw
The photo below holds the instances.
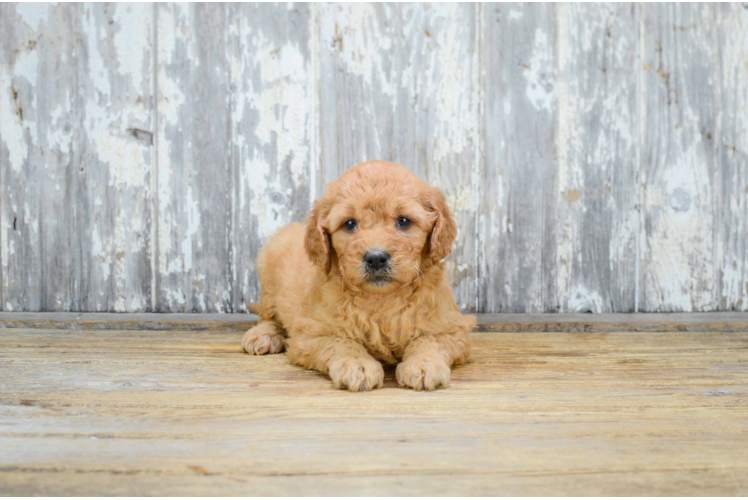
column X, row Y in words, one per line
column 356, row 374
column 423, row 372
column 264, row 338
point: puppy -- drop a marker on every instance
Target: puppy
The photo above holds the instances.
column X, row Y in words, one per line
column 362, row 283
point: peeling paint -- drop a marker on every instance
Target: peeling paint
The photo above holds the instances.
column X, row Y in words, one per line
column 582, row 300
column 539, row 72
column 32, row 14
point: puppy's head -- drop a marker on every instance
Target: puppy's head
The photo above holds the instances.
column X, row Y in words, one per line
column 380, row 225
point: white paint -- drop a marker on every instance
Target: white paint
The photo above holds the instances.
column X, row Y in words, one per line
column 515, row 15
column 58, row 138
column 102, row 253
column 466, row 199
column 13, row 130
column 119, row 305
column 584, row 300
column 540, row 73
column 132, row 41
column 97, row 70
column 172, row 19
column 361, row 48
column 136, row 304
column 567, row 134
column 454, row 103
column 33, row 13
column 282, row 103
column 192, row 212
column 175, row 296
column 681, row 240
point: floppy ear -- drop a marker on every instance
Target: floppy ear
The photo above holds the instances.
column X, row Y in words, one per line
column 444, row 231
column 317, row 240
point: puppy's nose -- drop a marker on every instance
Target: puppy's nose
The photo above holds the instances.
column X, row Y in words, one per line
column 376, row 259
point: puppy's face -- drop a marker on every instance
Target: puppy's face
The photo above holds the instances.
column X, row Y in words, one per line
column 380, row 226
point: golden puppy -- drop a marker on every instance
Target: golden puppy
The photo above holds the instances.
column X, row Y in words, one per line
column 362, row 284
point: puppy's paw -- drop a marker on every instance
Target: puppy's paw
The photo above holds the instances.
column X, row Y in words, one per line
column 264, row 338
column 356, row 374
column 423, row 371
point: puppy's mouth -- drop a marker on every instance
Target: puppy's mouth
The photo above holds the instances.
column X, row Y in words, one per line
column 378, row 279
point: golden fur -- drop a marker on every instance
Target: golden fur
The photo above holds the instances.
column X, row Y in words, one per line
column 318, row 304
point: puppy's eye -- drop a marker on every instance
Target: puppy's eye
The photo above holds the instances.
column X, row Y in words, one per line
column 350, row 225
column 402, row 222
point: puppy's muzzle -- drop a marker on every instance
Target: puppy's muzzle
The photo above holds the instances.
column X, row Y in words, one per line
column 377, row 264
column 376, row 260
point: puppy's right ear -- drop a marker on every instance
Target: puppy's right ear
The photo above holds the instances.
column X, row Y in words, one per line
column 317, row 240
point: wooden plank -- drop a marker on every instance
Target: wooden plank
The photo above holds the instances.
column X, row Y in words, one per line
column 77, row 134
column 273, row 131
column 643, row 322
column 732, row 230
column 195, row 181
column 116, row 152
column 597, row 143
column 195, row 482
column 519, row 200
column 39, row 155
column 564, row 414
column 401, row 83
column 681, row 157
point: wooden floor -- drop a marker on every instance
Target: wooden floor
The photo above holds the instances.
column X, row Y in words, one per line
column 87, row 409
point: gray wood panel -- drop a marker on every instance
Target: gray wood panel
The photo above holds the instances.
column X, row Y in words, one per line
column 273, row 130
column 114, row 204
column 680, row 157
column 732, row 236
column 595, row 155
column 519, row 177
column 76, row 83
column 39, row 152
column 597, row 147
column 194, row 171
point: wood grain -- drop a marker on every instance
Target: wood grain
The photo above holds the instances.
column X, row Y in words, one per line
column 597, row 140
column 76, row 83
column 133, row 412
column 194, row 171
column 272, row 135
column 40, row 154
column 114, row 199
column 732, row 208
column 681, row 157
column 519, row 203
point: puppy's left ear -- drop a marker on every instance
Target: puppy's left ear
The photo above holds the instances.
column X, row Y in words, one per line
column 317, row 240
column 444, row 231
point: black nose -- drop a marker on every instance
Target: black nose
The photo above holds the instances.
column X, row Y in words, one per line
column 376, row 259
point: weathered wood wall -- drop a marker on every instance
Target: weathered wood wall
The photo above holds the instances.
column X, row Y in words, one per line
column 596, row 156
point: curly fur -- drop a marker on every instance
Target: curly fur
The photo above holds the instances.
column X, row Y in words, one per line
column 318, row 304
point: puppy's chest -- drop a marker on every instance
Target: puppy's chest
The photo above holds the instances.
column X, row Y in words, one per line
column 386, row 335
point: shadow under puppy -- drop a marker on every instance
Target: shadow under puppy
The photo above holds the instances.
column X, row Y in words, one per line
column 363, row 284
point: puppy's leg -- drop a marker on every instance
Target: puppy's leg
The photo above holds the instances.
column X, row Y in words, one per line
column 264, row 338
column 346, row 361
column 427, row 360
